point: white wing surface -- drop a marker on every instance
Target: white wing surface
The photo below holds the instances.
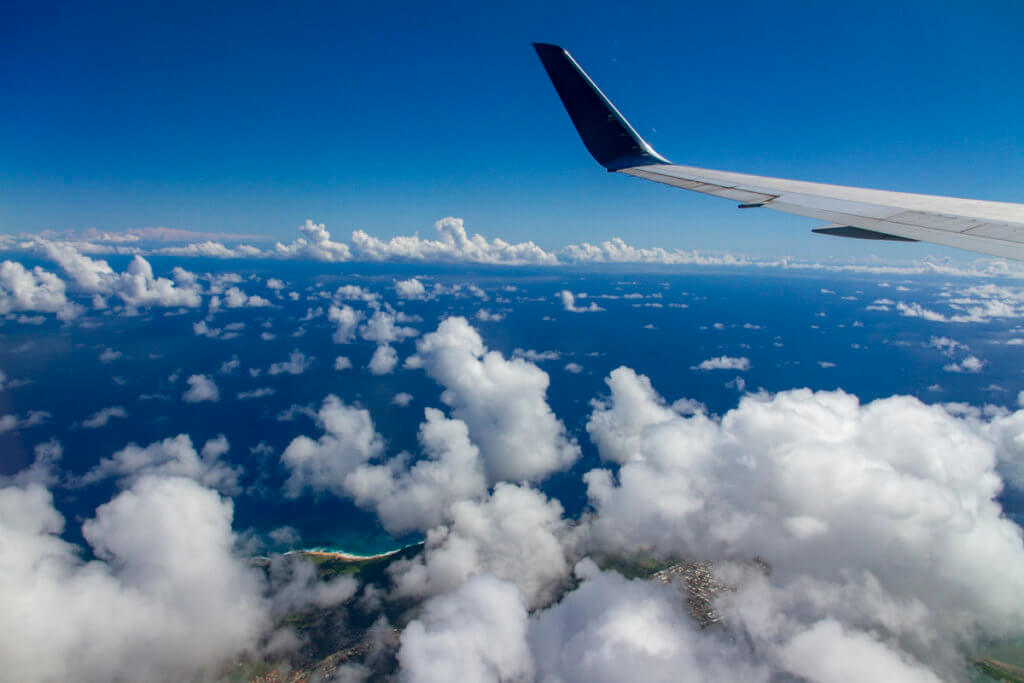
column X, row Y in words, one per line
column 995, row 228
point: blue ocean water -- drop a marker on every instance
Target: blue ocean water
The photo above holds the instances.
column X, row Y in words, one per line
column 798, row 329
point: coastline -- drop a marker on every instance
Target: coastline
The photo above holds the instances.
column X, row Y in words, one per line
column 346, row 556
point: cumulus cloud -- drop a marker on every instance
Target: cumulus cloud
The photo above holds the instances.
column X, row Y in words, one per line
column 946, row 345
column 201, row 388
column 349, row 440
column 236, row 298
column 453, row 245
column 296, row 364
column 34, row 290
column 261, row 392
column 410, row 289
column 101, row 417
column 136, row 286
column 612, row 629
column 347, row 320
column 475, row 633
column 569, row 303
column 173, row 456
column 536, row 356
column 420, row 497
column 574, row 368
column 723, row 363
column 44, row 469
column 502, row 401
column 384, row 360
column 485, row 315
column 355, row 293
column 516, row 534
column 859, row 508
column 342, row 363
column 382, row 328
column 402, row 398
column 968, row 364
column 316, row 245
column 12, row 422
column 165, row 599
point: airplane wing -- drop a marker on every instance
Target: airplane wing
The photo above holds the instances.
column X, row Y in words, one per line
column 995, row 228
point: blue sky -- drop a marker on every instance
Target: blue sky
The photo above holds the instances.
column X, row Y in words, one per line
column 225, row 118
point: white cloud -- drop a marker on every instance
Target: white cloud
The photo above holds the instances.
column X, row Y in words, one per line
column 34, row 290
column 347, row 319
column 574, row 368
column 381, row 328
column 166, row 598
column 349, row 440
column 517, row 534
column 402, row 399
column 101, row 417
column 136, row 286
column 355, row 293
column 410, row 289
column 569, row 303
column 201, row 388
column 968, row 364
column 316, row 245
column 485, row 315
column 236, row 298
column 737, row 383
column 946, row 345
column 12, row 422
column 869, row 515
column 228, row 367
column 421, row 497
column 109, row 355
column 826, row 364
column 384, row 360
column 536, row 356
column 723, row 363
column 612, row 629
column 173, row 456
column 261, row 392
column 296, row 364
column 44, row 469
column 342, row 363
column 503, row 402
column 454, row 245
column 475, row 633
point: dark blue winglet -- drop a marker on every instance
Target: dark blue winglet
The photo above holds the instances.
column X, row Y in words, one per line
column 608, row 136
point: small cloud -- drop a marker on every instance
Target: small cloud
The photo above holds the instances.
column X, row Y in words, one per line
column 109, row 355
column 256, row 393
column 739, row 384
column 296, row 364
column 723, row 363
column 536, row 356
column 342, row 363
column 201, row 388
column 569, row 303
column 826, row 364
column 384, row 360
column 102, row 417
column 971, row 364
column 484, row 315
column 574, row 368
column 402, row 399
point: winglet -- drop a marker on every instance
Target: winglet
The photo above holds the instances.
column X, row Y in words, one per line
column 606, row 133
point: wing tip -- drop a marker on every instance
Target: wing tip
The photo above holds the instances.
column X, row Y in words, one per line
column 605, row 132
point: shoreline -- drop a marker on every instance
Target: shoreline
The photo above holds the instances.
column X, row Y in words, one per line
column 348, row 557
